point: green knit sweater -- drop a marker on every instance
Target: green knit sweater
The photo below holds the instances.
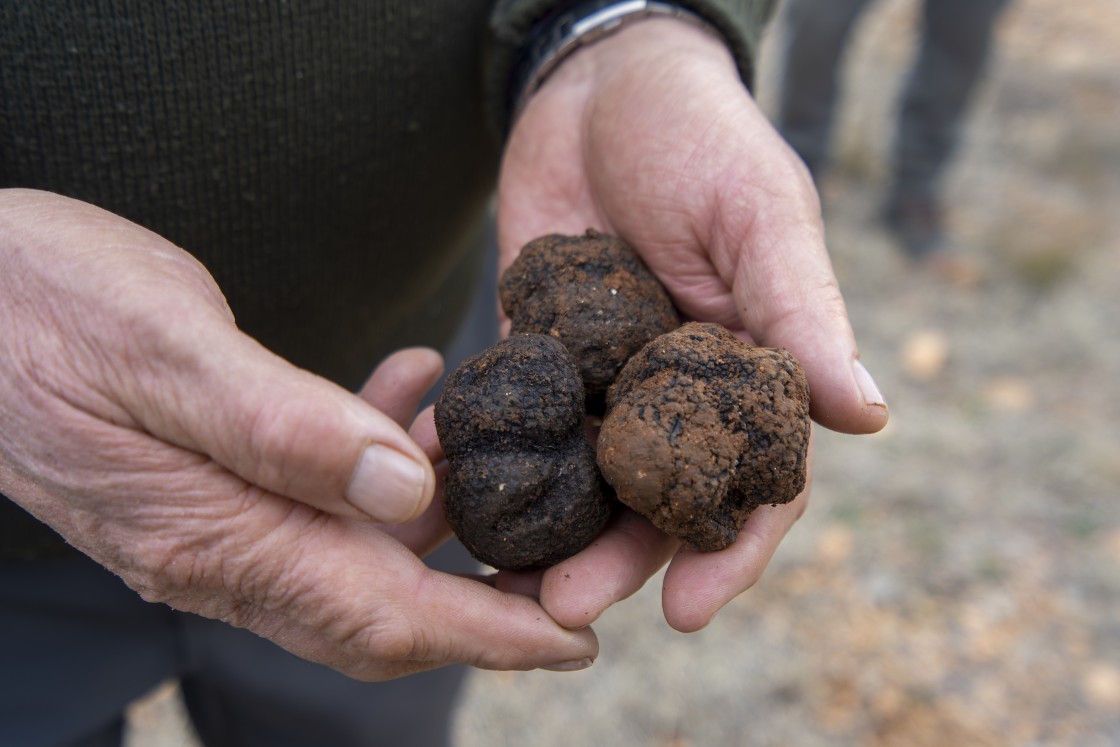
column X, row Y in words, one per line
column 329, row 161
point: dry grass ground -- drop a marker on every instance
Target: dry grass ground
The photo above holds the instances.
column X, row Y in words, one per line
column 957, row 577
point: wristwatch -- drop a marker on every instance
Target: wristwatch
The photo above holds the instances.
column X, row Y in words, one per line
column 576, row 25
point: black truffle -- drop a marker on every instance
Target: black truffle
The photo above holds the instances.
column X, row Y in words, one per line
column 594, row 294
column 701, row 429
column 523, row 489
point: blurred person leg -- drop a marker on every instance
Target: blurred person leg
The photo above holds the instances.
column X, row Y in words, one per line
column 815, row 34
column 956, row 41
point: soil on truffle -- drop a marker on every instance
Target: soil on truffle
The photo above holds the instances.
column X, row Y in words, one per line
column 701, row 429
column 594, row 294
column 523, row 490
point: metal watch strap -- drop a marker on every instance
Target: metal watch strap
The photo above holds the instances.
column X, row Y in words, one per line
column 559, row 35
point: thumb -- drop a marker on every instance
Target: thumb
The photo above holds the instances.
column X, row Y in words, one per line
column 843, row 394
column 789, row 297
column 282, row 428
column 811, row 321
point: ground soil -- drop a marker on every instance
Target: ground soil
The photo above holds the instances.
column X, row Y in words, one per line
column 956, row 579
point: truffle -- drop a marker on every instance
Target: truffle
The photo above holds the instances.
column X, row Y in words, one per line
column 523, row 490
column 701, row 429
column 594, row 294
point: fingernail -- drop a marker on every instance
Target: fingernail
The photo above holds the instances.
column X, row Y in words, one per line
column 387, row 485
column 866, row 384
column 570, row 666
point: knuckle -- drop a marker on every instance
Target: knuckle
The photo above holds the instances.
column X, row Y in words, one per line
column 284, row 428
column 395, row 633
column 390, row 638
column 399, row 642
column 168, row 572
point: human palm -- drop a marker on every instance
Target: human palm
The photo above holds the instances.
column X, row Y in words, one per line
column 651, row 135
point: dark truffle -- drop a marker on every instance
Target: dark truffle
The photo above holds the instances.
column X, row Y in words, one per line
column 701, row 429
column 523, row 490
column 594, row 294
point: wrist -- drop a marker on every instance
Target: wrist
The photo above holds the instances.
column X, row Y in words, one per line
column 577, row 26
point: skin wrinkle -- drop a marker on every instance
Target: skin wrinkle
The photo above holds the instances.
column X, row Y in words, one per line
column 168, row 385
column 509, row 658
column 424, row 586
column 744, row 193
column 71, row 305
column 56, row 374
column 274, row 431
column 264, row 596
column 84, row 470
column 399, row 636
column 278, row 588
column 793, row 293
column 133, row 392
column 379, row 630
column 690, row 261
column 109, row 264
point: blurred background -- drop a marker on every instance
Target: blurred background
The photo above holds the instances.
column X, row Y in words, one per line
column 956, row 578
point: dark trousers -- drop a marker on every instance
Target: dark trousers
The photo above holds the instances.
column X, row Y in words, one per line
column 955, row 41
column 77, row 646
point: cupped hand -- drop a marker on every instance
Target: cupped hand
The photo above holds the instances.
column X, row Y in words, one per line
column 139, row 422
column 651, row 135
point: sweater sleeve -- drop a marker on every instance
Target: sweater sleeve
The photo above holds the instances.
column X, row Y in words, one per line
column 512, row 22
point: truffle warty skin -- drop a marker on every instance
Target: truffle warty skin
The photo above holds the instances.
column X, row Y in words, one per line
column 522, row 490
column 701, row 429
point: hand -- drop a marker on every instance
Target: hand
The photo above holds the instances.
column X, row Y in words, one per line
column 211, row 475
column 649, row 134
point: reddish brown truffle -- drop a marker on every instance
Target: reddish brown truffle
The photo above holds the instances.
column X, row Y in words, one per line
column 594, row 294
column 523, row 490
column 701, row 429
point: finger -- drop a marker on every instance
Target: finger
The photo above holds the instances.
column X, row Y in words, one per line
column 578, row 590
column 788, row 296
column 427, row 532
column 812, row 323
column 423, row 534
column 390, row 615
column 698, row 584
column 457, row 619
column 397, row 386
column 277, row 426
column 526, row 583
column 423, row 432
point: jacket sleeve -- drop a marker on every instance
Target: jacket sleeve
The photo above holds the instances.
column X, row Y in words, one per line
column 512, row 22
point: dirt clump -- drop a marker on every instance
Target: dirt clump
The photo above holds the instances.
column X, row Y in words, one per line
column 523, row 490
column 701, row 429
